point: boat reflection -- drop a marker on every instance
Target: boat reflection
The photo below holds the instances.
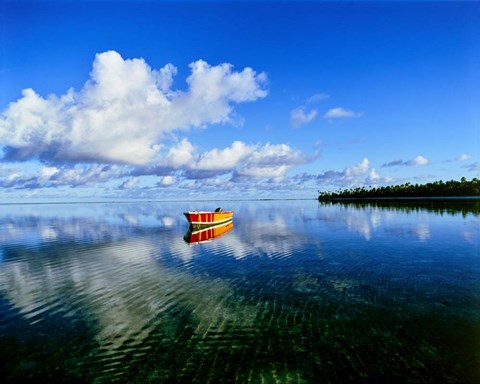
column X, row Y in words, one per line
column 202, row 234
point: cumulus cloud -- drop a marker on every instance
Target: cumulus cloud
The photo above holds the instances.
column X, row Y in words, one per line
column 299, row 116
column 359, row 174
column 224, row 159
column 123, row 111
column 166, row 181
column 359, row 169
column 341, row 113
column 271, row 160
column 417, row 161
column 240, row 159
column 182, row 162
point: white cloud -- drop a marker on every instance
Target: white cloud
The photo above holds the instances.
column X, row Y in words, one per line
column 123, row 112
column 341, row 113
column 317, row 98
column 130, row 183
column 269, row 160
column 373, row 177
column 238, row 162
column 303, row 114
column 359, row 169
column 167, row 181
column 181, row 155
column 47, row 172
column 359, row 174
column 227, row 158
column 299, row 116
column 220, row 83
column 67, row 175
column 464, row 157
column 417, row 161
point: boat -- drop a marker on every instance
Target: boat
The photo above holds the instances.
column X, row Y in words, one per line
column 204, row 218
column 194, row 237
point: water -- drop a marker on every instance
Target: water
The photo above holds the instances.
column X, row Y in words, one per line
column 296, row 292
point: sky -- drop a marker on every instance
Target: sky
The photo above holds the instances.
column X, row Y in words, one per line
column 166, row 100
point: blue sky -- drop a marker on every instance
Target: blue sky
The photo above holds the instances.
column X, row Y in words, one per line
column 191, row 100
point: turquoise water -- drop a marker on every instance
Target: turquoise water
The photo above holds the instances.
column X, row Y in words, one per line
column 297, row 292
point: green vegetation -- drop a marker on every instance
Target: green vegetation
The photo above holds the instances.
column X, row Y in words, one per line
column 450, row 188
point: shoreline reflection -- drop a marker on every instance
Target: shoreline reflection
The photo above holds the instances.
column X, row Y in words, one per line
column 439, row 206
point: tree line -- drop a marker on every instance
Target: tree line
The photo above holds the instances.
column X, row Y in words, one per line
column 436, row 189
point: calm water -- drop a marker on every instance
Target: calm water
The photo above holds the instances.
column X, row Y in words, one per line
column 296, row 292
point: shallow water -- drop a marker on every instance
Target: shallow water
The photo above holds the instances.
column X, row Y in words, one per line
column 297, row 291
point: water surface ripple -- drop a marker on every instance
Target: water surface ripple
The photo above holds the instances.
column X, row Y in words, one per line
column 296, row 292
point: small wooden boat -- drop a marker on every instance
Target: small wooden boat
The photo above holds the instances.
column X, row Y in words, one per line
column 193, row 237
column 208, row 217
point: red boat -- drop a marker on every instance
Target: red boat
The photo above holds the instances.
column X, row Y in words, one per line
column 208, row 217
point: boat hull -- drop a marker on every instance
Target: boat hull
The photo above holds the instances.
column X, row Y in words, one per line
column 208, row 218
